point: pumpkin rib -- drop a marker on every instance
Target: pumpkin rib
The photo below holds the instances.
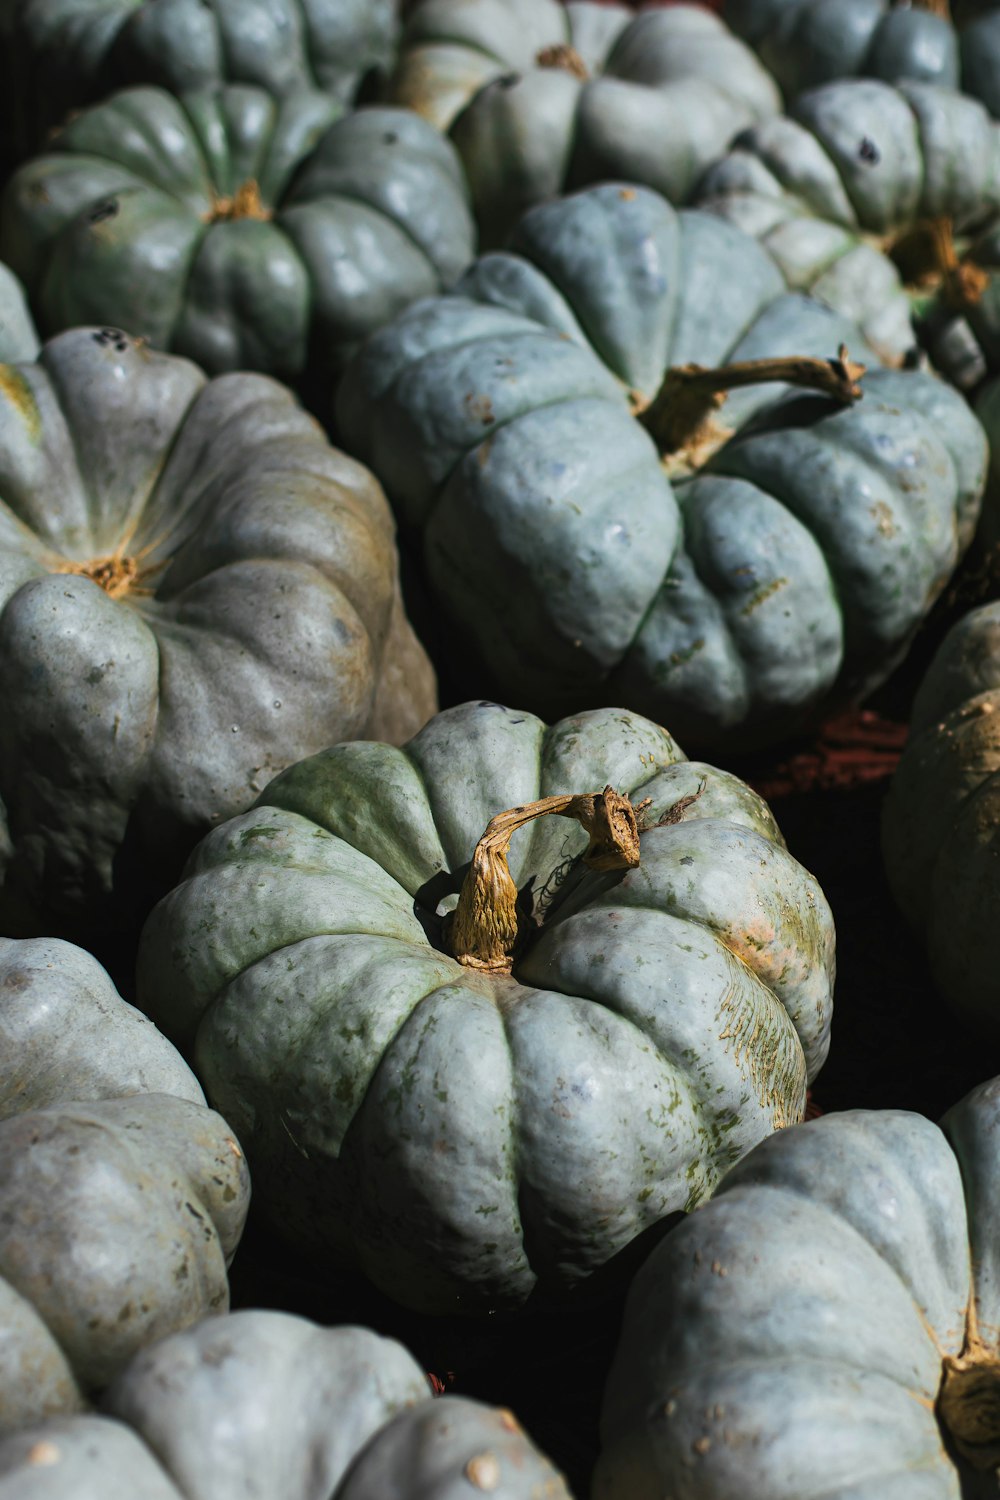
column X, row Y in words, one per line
column 362, row 202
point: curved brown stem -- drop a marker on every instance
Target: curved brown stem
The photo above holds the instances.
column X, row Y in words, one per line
column 680, row 417
column 484, row 929
column 562, row 55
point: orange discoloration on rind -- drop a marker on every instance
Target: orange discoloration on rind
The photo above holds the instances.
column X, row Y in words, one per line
column 15, row 388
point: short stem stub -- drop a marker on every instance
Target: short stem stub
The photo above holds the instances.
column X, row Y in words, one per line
column 963, row 282
column 484, row 930
column 245, row 203
column 562, row 55
column 681, row 416
column 926, row 258
column 969, row 1403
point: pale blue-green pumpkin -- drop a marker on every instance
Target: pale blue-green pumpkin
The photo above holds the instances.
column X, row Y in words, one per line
column 809, row 42
column 61, row 54
column 541, row 97
column 940, row 821
column 122, row 1197
column 242, row 229
column 464, row 1136
column 826, row 1328
column 848, row 192
column 516, row 429
column 266, row 1404
column 196, row 589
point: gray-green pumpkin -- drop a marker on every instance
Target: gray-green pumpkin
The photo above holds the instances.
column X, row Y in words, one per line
column 940, row 823
column 122, row 1197
column 542, row 97
column 464, row 1132
column 61, row 54
column 18, row 339
column 828, row 1326
column 266, row 1404
column 732, row 585
column 195, row 591
column 851, row 192
column 809, row 42
column 238, row 228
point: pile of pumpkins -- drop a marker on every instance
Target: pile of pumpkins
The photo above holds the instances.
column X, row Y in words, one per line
column 417, row 422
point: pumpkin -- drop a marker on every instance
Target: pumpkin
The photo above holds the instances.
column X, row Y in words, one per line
column 827, row 1325
column 860, row 167
column 122, row 1197
column 525, row 427
column 61, row 54
column 597, row 93
column 808, row 42
column 18, row 339
column 468, row 1107
column 240, row 229
column 940, row 827
column 264, row 1403
column 196, row 590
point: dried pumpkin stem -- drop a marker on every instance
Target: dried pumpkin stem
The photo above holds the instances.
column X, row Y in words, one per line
column 681, row 415
column 963, row 282
column 484, row 929
column 562, row 55
column 245, row 203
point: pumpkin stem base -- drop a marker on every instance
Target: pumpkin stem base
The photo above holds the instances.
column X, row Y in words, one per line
column 925, row 256
column 486, row 927
column 969, row 1403
column 245, row 203
column 562, row 55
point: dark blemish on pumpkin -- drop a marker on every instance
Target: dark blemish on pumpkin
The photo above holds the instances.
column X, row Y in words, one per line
column 390, row 138
column 869, row 152
column 687, row 860
column 480, row 409
column 508, row 80
column 106, row 210
column 125, row 1313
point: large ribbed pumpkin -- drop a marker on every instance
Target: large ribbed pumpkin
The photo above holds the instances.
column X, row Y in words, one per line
column 238, row 228
column 61, row 54
column 863, row 190
column 195, row 591
column 558, row 96
column 827, row 1326
column 524, row 428
column 266, row 1404
column 122, row 1198
column 460, row 1129
column 940, row 829
column 807, row 42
